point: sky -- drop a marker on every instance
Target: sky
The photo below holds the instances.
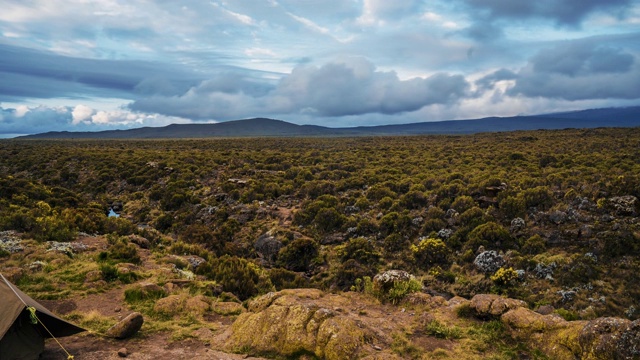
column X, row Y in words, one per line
column 89, row 65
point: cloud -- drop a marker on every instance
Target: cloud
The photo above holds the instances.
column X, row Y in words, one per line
column 352, row 86
column 28, row 73
column 565, row 12
column 573, row 71
column 374, row 11
column 39, row 119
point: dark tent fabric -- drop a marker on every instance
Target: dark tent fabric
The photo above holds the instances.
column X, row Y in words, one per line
column 17, row 333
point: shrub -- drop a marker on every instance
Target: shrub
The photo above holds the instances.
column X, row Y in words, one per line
column 505, row 277
column 285, row 279
column 236, row 275
column 297, row 255
column 400, row 289
column 430, row 252
column 359, row 249
column 347, row 274
column 534, row 245
column 491, row 236
column 441, row 331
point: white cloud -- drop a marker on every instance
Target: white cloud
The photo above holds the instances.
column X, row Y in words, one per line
column 81, row 113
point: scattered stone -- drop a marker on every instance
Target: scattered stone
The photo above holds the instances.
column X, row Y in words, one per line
column 92, row 276
column 67, row 248
column 10, row 242
column 567, row 295
column 37, row 265
column 417, row 220
column 123, row 352
column 558, row 217
column 517, row 225
column 445, row 234
column 489, row 262
column 543, row 271
column 197, row 305
column 127, row 327
column 624, row 205
column 170, row 305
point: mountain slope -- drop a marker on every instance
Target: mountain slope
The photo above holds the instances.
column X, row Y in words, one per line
column 262, row 127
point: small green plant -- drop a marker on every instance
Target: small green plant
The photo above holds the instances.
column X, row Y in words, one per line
column 400, row 289
column 442, row 331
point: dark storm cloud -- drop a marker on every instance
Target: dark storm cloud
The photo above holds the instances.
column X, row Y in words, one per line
column 28, row 73
column 353, row 87
column 564, row 12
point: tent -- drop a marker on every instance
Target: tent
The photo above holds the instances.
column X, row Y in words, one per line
column 20, row 339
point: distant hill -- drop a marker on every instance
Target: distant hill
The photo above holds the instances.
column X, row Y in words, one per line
column 262, row 127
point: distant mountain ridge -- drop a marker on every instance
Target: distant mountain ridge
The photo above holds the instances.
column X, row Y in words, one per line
column 264, row 127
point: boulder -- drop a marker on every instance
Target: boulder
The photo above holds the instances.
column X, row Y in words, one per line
column 489, row 261
column 197, row 305
column 491, row 305
column 603, row 339
column 551, row 334
column 294, row 322
column 127, row 327
column 171, row 305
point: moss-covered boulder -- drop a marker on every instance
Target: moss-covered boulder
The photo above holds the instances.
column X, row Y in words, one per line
column 491, row 305
column 552, row 334
column 296, row 322
column 610, row 338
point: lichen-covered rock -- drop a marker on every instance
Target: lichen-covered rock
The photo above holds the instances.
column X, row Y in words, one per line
column 489, row 261
column 491, row 305
column 387, row 279
column 628, row 347
column 551, row 334
column 517, row 225
column 294, row 322
column 170, row 305
column 600, row 339
column 624, row 205
column 227, row 308
column 127, row 327
column 197, row 305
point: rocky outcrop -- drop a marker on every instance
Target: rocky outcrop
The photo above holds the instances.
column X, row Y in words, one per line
column 489, row 261
column 295, row 322
column 490, row 305
column 127, row 327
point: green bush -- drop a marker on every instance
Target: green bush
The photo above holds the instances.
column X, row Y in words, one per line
column 430, row 252
column 238, row 276
column 298, row 254
column 490, row 235
column 534, row 245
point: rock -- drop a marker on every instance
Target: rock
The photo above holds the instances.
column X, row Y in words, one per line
column 226, row 308
column 489, row 262
column 600, row 338
column 195, row 261
column 624, row 205
column 551, row 334
column 123, row 352
column 268, row 247
column 558, row 217
column 385, row 281
column 127, row 327
column 170, row 305
column 197, row 305
column 445, row 234
column 140, row 241
column 545, row 310
column 517, row 225
column 628, row 347
column 491, row 305
column 543, row 271
column 294, row 322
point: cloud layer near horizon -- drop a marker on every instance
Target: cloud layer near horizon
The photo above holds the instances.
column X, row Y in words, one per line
column 109, row 64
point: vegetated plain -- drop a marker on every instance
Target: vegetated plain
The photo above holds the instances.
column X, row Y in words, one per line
column 559, row 208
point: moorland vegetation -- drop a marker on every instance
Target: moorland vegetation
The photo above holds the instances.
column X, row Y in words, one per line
column 548, row 217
